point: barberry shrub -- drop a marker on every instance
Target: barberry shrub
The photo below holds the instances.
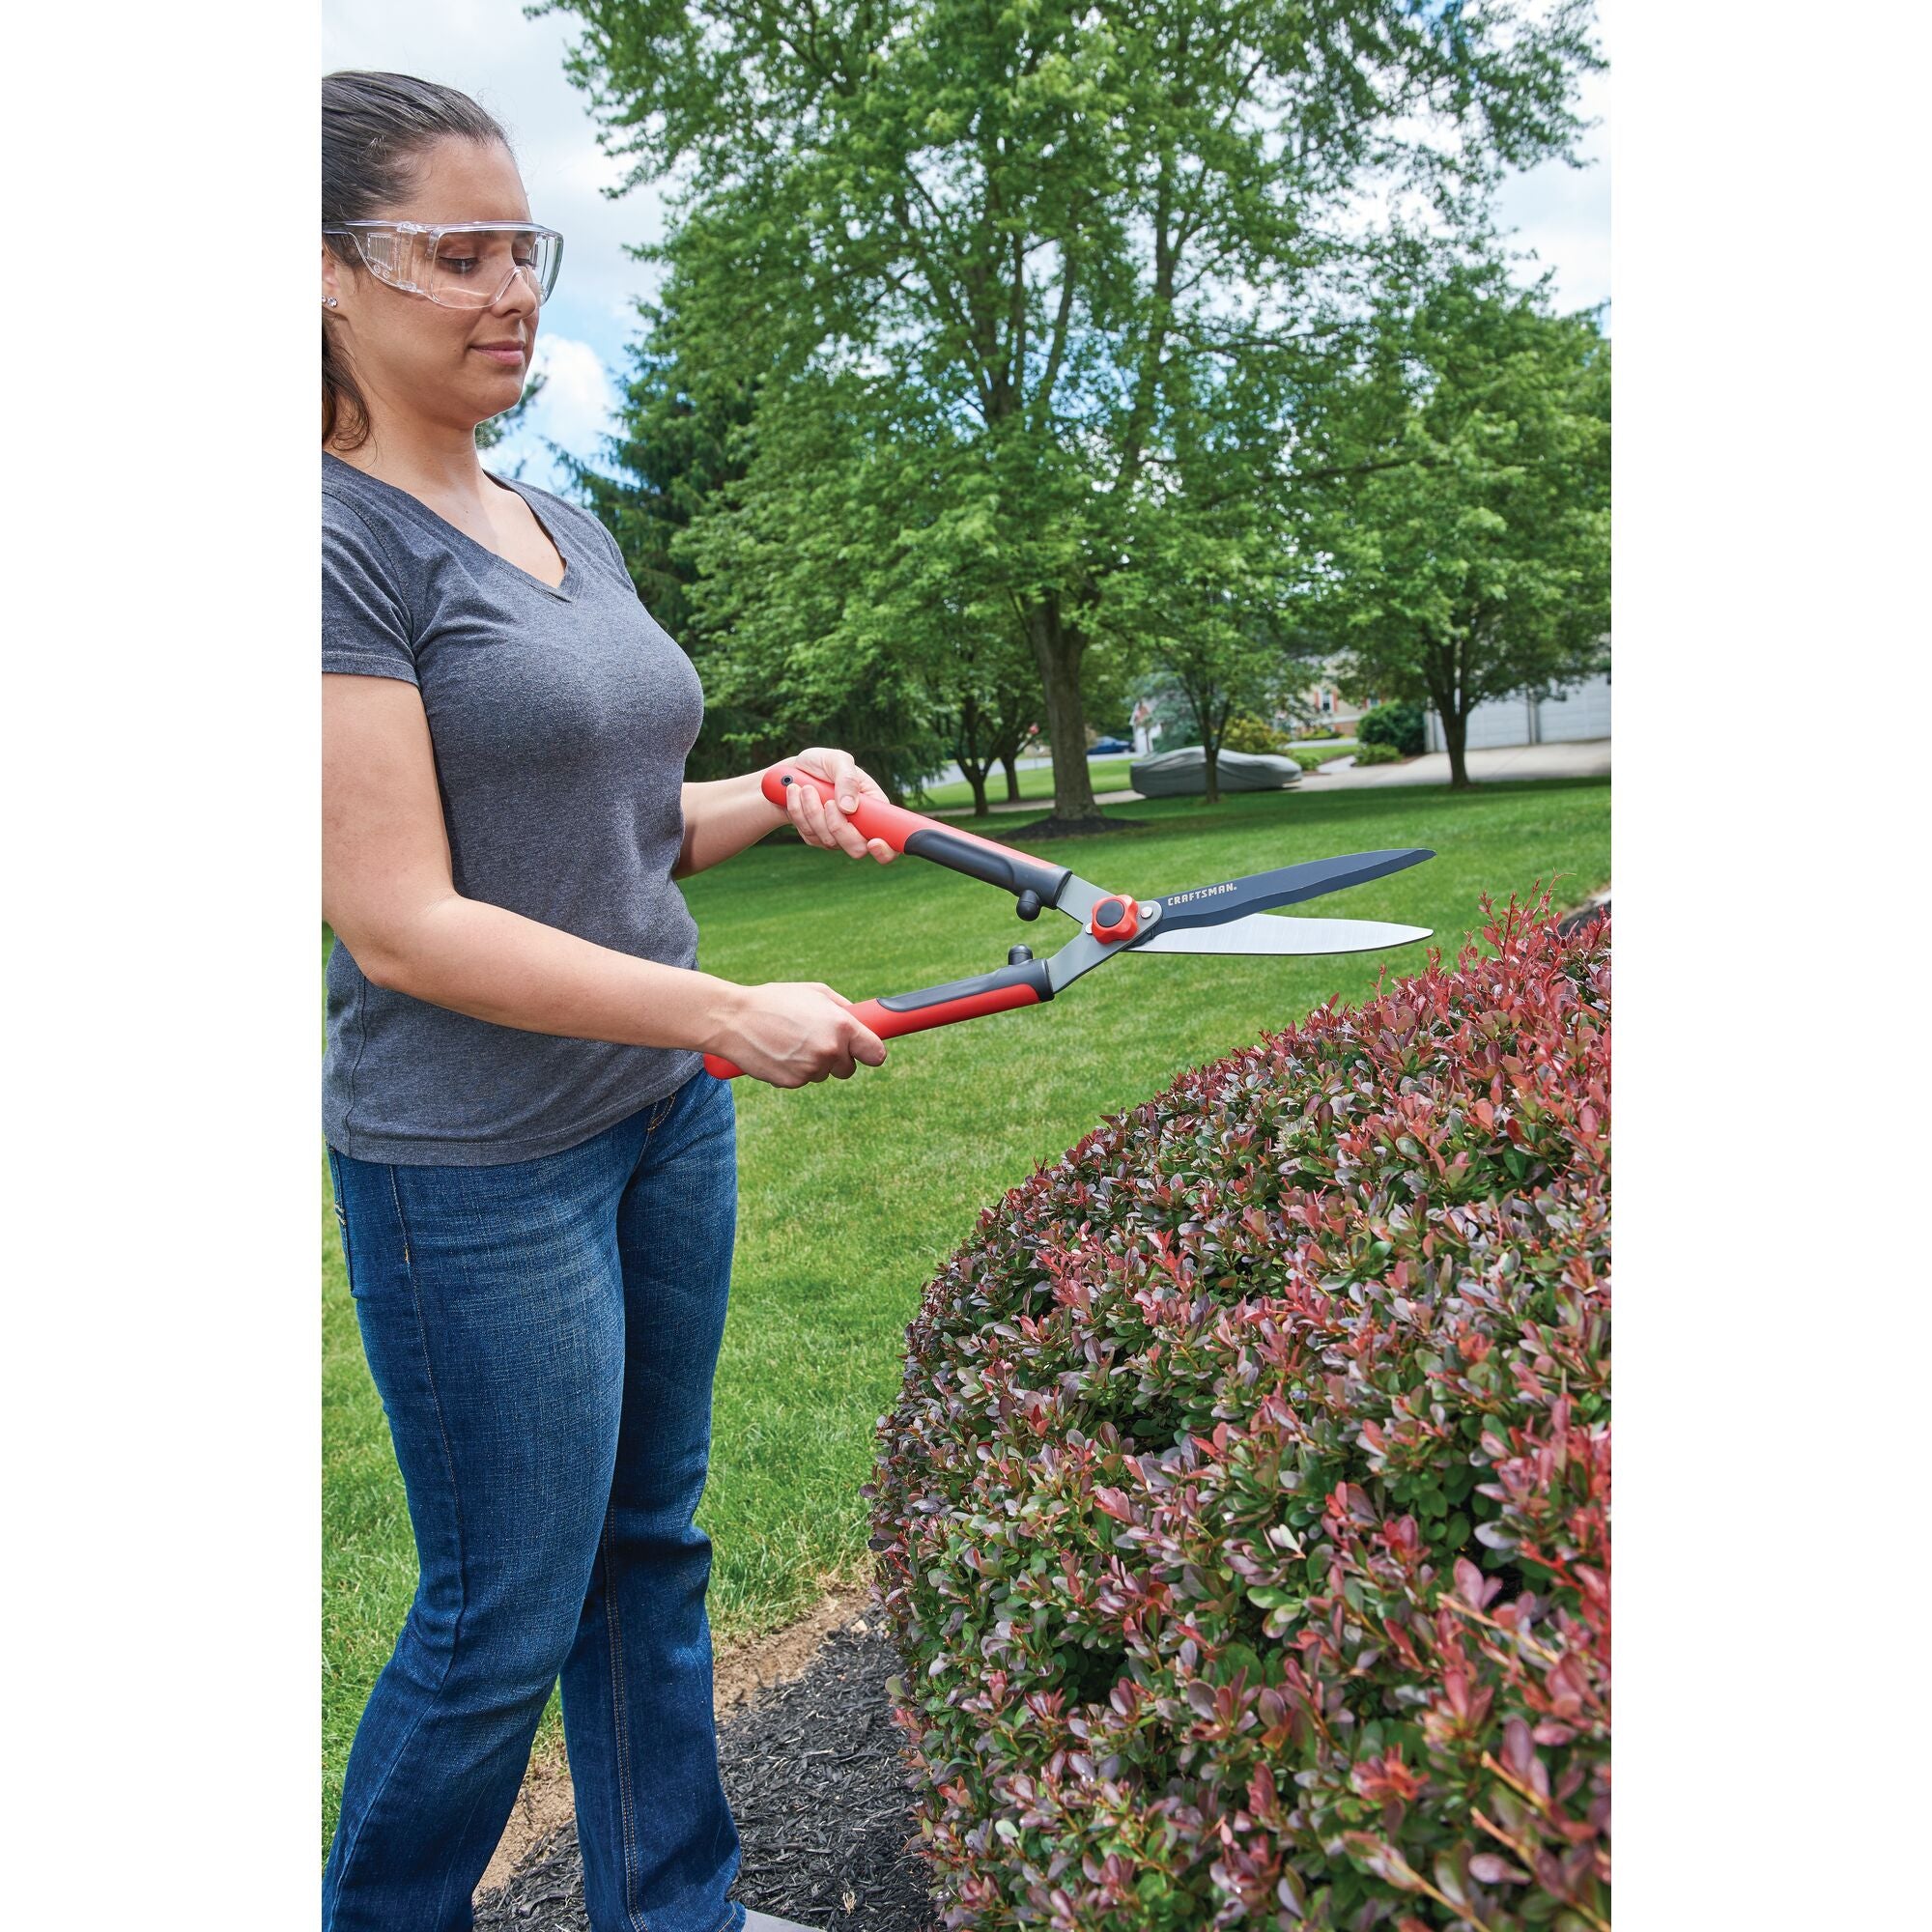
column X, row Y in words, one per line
column 1243, row 1521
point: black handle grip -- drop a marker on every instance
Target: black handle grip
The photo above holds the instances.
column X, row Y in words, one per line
column 1029, row 972
column 1012, row 871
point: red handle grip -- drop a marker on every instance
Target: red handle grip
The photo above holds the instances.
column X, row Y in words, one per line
column 1028, row 984
column 875, row 817
column 1017, row 872
column 925, row 838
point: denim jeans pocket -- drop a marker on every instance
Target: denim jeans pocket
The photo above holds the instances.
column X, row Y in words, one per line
column 341, row 1214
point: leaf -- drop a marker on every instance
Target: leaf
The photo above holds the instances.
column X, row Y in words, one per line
column 1383, row 1860
column 1495, row 1870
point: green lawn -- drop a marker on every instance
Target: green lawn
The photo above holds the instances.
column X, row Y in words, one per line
column 1036, row 782
column 1107, row 774
column 852, row 1192
column 1308, row 757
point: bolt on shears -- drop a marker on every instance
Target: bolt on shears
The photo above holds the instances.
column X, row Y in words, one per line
column 1230, row 917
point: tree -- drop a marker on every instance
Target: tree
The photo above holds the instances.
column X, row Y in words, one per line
column 787, row 631
column 1222, row 668
column 672, row 454
column 1207, row 594
column 1208, row 587
column 995, row 695
column 1463, row 526
column 1037, row 225
column 829, row 579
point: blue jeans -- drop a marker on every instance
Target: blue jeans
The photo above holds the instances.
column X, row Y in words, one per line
column 543, row 1337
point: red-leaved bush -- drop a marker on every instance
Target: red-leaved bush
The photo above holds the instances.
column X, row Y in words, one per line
column 1244, row 1518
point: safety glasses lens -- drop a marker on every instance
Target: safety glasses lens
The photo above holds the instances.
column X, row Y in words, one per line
column 471, row 267
column 461, row 268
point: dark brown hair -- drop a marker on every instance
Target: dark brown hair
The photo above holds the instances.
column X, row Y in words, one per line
column 375, row 129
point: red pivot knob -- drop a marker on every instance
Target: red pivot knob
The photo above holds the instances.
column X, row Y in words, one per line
column 1116, row 918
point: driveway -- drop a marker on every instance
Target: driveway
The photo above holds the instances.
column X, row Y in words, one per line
column 1040, row 807
column 1590, row 759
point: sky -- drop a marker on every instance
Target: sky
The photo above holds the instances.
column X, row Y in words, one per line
column 514, row 67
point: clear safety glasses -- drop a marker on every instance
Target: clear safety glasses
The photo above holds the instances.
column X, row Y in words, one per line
column 458, row 265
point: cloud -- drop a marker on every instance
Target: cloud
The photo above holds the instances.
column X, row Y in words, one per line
column 574, row 411
column 1563, row 214
column 577, row 399
column 515, row 68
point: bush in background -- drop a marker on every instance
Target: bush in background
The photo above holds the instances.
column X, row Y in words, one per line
column 1248, row 733
column 1311, row 757
column 1397, row 724
column 1244, row 1521
column 1367, row 753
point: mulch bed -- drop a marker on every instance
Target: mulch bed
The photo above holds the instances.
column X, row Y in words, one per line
column 812, row 1773
column 1573, row 922
column 1070, row 828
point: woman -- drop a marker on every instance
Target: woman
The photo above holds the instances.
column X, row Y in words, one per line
column 535, row 1178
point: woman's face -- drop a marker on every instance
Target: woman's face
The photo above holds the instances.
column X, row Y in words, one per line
column 412, row 357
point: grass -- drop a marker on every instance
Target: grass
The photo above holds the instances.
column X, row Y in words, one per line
column 1308, row 757
column 1107, row 774
column 1035, row 782
column 852, row 1192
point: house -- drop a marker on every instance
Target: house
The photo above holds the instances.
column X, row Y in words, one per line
column 1533, row 717
column 1322, row 703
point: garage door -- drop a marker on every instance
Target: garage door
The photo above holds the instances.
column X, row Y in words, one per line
column 1579, row 714
column 1568, row 718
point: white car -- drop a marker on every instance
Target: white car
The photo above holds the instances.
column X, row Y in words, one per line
column 1183, row 773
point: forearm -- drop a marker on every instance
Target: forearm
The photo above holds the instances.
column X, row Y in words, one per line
column 722, row 817
column 497, row 965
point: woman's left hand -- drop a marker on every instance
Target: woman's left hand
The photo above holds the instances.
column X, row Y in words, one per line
column 825, row 821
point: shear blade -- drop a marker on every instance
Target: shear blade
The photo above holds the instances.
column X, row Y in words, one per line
column 1264, row 932
column 1260, row 892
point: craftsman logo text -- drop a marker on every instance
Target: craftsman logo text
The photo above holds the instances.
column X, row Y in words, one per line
column 1204, row 892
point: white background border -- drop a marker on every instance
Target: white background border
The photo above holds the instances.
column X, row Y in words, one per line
column 162, row 1145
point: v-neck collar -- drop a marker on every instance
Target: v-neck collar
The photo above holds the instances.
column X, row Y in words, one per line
column 561, row 591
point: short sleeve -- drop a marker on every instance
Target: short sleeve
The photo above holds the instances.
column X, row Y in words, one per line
column 365, row 625
column 611, row 544
column 599, row 532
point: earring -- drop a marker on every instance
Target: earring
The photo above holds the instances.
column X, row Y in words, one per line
column 328, row 302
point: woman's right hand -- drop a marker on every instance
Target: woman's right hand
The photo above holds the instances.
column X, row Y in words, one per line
column 793, row 1032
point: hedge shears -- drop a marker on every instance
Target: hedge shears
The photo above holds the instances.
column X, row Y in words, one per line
column 1230, row 917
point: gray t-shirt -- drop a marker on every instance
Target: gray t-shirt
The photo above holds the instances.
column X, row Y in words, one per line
column 560, row 720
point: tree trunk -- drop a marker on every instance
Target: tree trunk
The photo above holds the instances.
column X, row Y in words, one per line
column 1016, row 707
column 1454, row 741
column 1446, row 680
column 969, row 753
column 1213, row 737
column 1056, row 647
column 1200, row 702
